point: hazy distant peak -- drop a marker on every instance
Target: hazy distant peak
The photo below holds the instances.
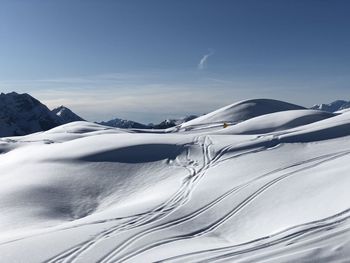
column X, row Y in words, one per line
column 334, row 106
column 125, row 124
column 66, row 115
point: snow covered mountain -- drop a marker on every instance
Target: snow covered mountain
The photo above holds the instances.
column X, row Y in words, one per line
column 66, row 115
column 333, row 106
column 125, row 124
column 168, row 123
column 271, row 186
column 21, row 114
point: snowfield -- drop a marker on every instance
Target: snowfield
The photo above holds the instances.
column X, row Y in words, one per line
column 273, row 186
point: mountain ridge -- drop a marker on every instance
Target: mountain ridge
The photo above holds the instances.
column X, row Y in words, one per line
column 334, row 106
column 22, row 114
column 66, row 115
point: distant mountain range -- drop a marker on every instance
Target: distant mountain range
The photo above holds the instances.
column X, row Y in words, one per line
column 127, row 124
column 333, row 106
column 172, row 122
column 21, row 114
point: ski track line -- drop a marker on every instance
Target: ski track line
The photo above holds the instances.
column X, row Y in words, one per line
column 190, row 216
column 308, row 228
column 213, row 203
column 219, row 222
column 89, row 244
column 269, row 173
column 149, row 217
column 61, row 256
column 203, row 170
column 73, row 253
column 188, row 186
column 208, row 206
column 288, row 236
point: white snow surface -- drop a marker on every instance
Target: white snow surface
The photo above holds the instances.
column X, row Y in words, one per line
column 240, row 111
column 271, row 187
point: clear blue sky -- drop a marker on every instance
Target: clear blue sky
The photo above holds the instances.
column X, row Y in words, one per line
column 149, row 60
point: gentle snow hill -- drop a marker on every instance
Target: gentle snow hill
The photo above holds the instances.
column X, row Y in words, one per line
column 240, row 111
column 277, row 121
column 327, row 129
column 66, row 115
column 81, row 127
column 67, row 132
column 277, row 191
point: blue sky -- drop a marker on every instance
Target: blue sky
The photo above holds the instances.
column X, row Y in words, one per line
column 154, row 59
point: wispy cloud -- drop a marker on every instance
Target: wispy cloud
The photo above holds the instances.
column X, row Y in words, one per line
column 204, row 60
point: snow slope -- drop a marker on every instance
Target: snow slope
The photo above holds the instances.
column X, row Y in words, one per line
column 240, row 111
column 277, row 121
column 273, row 188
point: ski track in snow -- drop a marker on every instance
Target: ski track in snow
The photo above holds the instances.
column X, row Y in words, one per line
column 218, row 223
column 290, row 236
column 178, row 199
column 181, row 197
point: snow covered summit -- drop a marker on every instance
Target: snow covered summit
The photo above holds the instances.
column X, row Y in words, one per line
column 66, row 115
column 21, row 114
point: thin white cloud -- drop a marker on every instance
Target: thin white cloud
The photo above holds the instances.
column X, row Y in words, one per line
column 204, row 60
